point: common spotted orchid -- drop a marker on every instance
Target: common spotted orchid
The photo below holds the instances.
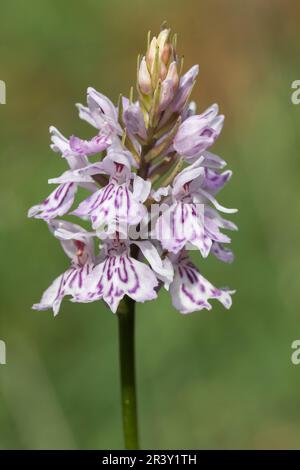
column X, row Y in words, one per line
column 153, row 185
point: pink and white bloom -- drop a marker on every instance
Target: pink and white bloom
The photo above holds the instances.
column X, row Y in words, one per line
column 183, row 222
column 78, row 246
column 120, row 202
column 189, row 219
column 119, row 274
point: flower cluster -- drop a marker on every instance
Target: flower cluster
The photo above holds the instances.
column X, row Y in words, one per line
column 147, row 153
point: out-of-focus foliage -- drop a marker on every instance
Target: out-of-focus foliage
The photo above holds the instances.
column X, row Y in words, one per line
column 208, row 380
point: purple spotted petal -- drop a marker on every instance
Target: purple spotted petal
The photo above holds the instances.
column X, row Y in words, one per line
column 73, row 282
column 191, row 292
column 223, row 254
column 180, row 225
column 113, row 203
column 57, row 203
column 120, row 275
column 76, row 283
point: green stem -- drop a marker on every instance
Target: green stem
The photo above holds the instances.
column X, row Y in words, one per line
column 127, row 370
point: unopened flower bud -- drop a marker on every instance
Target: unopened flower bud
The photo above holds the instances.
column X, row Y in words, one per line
column 172, row 75
column 151, row 52
column 164, row 46
column 162, row 71
column 144, row 79
column 166, row 94
column 185, row 87
column 169, row 87
column 164, row 52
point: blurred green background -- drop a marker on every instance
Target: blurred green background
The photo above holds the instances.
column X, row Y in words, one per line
column 219, row 379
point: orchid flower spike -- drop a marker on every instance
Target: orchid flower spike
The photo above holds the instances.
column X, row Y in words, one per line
column 153, row 193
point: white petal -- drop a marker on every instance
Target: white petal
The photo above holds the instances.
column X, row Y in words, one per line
column 71, row 176
column 141, row 188
column 190, row 173
column 216, row 204
column 86, row 115
column 161, row 192
column 162, row 268
column 53, row 296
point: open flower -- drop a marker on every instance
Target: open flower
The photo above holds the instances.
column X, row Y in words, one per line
column 189, row 219
column 117, row 275
column 121, row 200
column 78, row 246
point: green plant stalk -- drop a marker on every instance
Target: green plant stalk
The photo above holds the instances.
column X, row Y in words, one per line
column 126, row 320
